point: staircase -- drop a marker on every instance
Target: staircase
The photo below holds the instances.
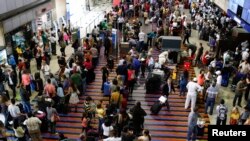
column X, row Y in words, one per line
column 166, row 126
column 70, row 124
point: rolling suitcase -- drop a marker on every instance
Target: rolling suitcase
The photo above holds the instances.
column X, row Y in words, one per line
column 156, row 107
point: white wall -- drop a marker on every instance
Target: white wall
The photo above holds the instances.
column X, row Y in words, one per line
column 60, row 9
column 2, row 41
column 223, row 4
column 8, row 5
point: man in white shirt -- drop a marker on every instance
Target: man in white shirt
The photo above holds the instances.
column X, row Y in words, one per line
column 142, row 37
column 14, row 110
column 193, row 88
column 33, row 125
column 52, row 40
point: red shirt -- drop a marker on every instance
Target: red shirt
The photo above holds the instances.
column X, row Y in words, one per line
column 130, row 72
column 88, row 65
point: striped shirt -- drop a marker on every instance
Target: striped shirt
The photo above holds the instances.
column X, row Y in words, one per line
column 212, row 92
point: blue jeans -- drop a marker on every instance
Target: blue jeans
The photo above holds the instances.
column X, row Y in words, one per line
column 192, row 133
column 84, row 85
column 26, row 106
column 210, row 102
column 2, row 87
column 101, row 121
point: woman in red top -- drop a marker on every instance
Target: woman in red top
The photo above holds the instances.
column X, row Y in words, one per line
column 88, row 64
column 201, row 78
column 204, row 59
column 131, row 79
column 21, row 67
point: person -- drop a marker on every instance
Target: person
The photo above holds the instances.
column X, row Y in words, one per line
column 107, row 128
column 19, row 131
column 145, row 136
column 116, row 97
column 39, row 83
column 100, row 114
column 127, row 134
column 33, row 126
column 221, row 113
column 234, row 116
column 105, row 75
column 240, row 88
column 12, row 81
column 138, row 117
column 25, row 99
column 168, row 87
column 85, row 121
column 73, row 100
column 192, row 124
column 199, row 54
column 49, row 89
column 248, row 87
column 192, row 88
column 14, row 110
column 131, row 79
column 53, row 43
column 51, row 113
column 142, row 36
column 186, row 35
column 3, row 132
column 113, row 136
column 244, row 115
column 46, row 70
column 183, row 83
column 211, row 93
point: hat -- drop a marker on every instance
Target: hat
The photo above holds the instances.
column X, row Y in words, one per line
column 195, row 79
column 142, row 59
column 218, row 72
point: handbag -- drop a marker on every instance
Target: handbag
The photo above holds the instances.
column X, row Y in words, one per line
column 55, row 118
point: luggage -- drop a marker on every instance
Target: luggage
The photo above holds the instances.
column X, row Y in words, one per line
column 153, row 84
column 156, row 107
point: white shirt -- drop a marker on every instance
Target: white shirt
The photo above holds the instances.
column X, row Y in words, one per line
column 46, row 69
column 219, row 79
column 157, row 65
column 106, row 129
column 151, row 61
column 193, row 87
column 120, row 20
column 112, row 139
column 245, row 55
column 142, row 36
column 14, row 110
column 52, row 39
column 10, row 80
column 121, row 62
column 32, row 123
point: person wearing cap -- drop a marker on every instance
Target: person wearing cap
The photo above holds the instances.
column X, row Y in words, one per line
column 193, row 88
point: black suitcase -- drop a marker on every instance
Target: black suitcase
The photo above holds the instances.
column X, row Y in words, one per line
column 156, row 107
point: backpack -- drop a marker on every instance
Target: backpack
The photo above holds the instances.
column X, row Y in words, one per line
column 222, row 112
